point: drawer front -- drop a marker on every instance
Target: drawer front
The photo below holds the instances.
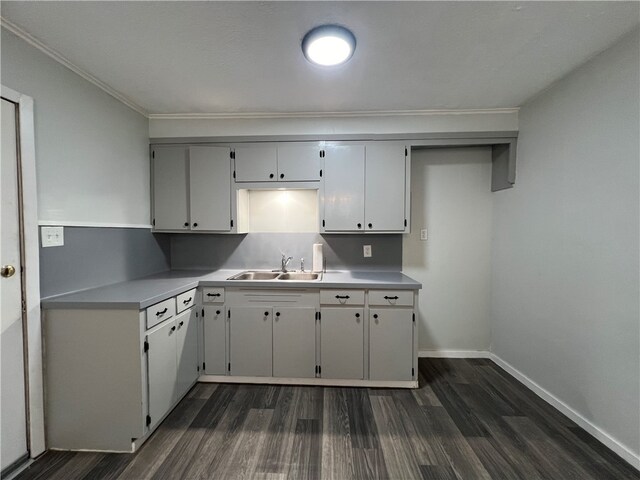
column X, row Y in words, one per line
column 160, row 312
column 395, row 298
column 185, row 300
column 342, row 297
column 213, row 295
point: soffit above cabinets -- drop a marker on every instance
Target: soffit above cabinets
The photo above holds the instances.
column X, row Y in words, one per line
column 245, row 57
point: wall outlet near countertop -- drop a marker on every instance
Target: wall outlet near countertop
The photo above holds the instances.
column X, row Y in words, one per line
column 52, row 236
column 423, row 234
column 366, row 249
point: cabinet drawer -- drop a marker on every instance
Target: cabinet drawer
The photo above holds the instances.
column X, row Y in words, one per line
column 342, row 297
column 401, row 298
column 213, row 295
column 186, row 300
column 160, row 312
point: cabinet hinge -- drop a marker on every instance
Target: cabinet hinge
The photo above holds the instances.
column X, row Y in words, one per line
column 406, row 152
column 323, row 222
column 229, row 313
column 154, row 222
column 234, row 174
column 146, row 346
column 321, row 172
column 412, row 371
column 232, row 223
column 229, row 367
column 316, row 369
column 319, row 369
column 148, row 420
column 414, row 318
column 203, row 312
column 153, row 154
column 319, row 315
column 204, row 366
column 198, row 368
column 405, row 222
column 232, row 154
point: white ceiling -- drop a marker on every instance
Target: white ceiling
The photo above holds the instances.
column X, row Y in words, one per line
column 228, row 57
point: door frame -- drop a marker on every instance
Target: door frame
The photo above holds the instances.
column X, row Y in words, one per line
column 32, row 319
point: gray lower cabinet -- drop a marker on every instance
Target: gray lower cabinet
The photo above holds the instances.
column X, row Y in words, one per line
column 186, row 351
column 342, row 342
column 390, row 340
column 294, row 342
column 215, row 340
column 250, row 338
column 162, row 370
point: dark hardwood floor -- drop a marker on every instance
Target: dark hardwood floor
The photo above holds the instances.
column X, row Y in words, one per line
column 468, row 420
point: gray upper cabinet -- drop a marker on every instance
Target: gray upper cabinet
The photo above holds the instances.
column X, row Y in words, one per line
column 384, row 207
column 294, row 342
column 256, row 163
column 170, row 196
column 365, row 188
column 299, row 163
column 210, row 188
column 192, row 188
column 343, row 188
column 277, row 163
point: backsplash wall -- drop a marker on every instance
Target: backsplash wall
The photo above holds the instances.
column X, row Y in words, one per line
column 92, row 257
column 264, row 250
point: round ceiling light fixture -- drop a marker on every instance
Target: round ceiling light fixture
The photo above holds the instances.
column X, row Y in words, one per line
column 328, row 45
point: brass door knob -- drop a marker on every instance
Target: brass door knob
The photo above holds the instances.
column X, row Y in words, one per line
column 7, row 271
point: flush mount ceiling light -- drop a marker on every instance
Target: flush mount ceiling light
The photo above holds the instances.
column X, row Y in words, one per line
column 328, row 45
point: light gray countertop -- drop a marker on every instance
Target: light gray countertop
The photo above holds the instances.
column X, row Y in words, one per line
column 144, row 292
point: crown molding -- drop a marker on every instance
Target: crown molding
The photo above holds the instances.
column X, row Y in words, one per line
column 366, row 113
column 61, row 59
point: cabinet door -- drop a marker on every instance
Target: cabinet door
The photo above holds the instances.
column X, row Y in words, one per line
column 250, row 335
column 170, row 188
column 186, row 351
column 343, row 188
column 385, row 188
column 294, row 342
column 298, row 163
column 210, row 188
column 342, row 343
column 215, row 340
column 256, row 164
column 390, row 344
column 162, row 370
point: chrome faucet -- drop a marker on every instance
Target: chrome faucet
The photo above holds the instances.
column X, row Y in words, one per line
column 285, row 262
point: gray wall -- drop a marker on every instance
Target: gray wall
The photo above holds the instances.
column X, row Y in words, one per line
column 92, row 257
column 565, row 289
column 92, row 151
column 263, row 250
column 451, row 198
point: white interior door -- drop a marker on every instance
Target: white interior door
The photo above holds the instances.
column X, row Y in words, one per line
column 13, row 416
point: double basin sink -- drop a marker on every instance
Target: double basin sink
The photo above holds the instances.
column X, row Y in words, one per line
column 253, row 275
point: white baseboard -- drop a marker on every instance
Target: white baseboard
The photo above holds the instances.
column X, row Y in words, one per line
column 619, row 448
column 453, row 354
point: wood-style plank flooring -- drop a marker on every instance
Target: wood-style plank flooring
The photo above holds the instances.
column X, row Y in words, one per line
column 468, row 420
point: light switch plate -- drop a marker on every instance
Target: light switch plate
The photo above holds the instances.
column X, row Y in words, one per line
column 366, row 250
column 52, row 236
column 423, row 234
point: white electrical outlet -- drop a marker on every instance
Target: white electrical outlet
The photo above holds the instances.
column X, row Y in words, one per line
column 366, row 250
column 52, row 236
column 423, row 234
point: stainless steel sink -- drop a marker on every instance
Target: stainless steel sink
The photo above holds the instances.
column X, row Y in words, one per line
column 289, row 276
column 299, row 276
column 250, row 275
